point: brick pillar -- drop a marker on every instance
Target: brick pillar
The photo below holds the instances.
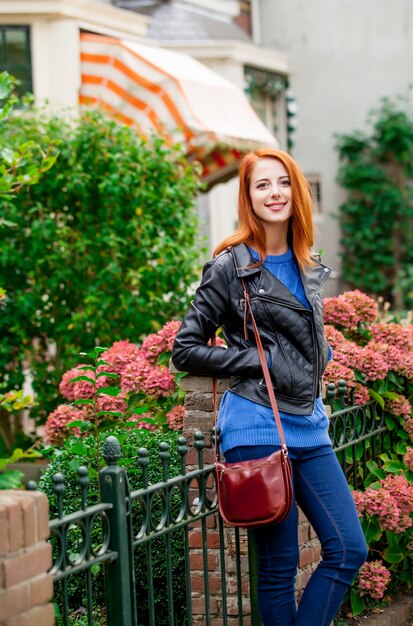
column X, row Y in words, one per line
column 25, row 558
column 199, row 417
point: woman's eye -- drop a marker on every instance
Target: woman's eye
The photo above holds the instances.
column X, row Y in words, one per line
column 285, row 183
column 261, row 185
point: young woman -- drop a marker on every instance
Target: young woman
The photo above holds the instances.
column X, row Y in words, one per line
column 272, row 250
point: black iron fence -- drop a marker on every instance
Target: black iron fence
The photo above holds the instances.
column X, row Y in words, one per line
column 159, row 544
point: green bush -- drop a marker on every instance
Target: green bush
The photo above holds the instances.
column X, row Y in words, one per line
column 77, row 452
column 376, row 235
column 103, row 247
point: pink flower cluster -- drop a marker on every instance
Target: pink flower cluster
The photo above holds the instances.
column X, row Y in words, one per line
column 408, row 426
column 120, row 354
column 339, row 312
column 372, row 364
column 361, row 394
column 394, row 335
column 392, row 503
column 335, row 372
column 399, row 406
column 112, row 403
column 176, row 417
column 57, row 426
column 138, row 372
column 366, row 307
column 374, row 579
column 160, row 342
column 408, row 458
column 79, row 390
column 140, row 423
column 350, row 309
column 140, row 375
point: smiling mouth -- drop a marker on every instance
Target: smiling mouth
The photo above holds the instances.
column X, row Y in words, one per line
column 276, row 205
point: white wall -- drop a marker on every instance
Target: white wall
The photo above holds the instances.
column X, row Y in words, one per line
column 56, row 61
column 345, row 55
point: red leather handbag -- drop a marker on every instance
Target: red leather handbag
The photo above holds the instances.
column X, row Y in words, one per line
column 258, row 492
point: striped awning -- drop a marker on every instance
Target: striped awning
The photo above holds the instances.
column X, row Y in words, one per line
column 171, row 93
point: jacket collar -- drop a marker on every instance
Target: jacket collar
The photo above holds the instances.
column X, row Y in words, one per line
column 312, row 277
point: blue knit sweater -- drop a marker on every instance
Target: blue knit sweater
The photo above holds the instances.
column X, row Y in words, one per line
column 245, row 423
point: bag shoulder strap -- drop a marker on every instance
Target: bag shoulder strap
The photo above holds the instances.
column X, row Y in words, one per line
column 267, row 377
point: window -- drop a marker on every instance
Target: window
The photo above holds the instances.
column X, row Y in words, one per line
column 266, row 91
column 315, row 184
column 15, row 56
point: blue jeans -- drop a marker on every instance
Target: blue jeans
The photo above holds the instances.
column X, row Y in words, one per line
column 322, row 493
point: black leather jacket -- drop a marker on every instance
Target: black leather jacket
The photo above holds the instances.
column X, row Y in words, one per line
column 290, row 333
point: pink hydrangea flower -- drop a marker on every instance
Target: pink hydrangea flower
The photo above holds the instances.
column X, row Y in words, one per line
column 120, row 354
column 142, row 424
column 340, row 312
column 392, row 503
column 408, row 426
column 348, row 353
column 361, row 394
column 394, row 335
column 335, row 372
column 140, row 375
column 111, row 403
column 334, row 337
column 374, row 579
column 408, row 458
column 400, row 406
column 396, row 357
column 157, row 343
column 175, row 418
column 358, row 498
column 372, row 364
column 56, row 426
column 365, row 307
column 79, row 390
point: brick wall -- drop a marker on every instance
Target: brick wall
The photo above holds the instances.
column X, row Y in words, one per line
column 25, row 557
column 199, row 417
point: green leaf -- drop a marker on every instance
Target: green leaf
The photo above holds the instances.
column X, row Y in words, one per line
column 394, row 554
column 139, row 410
column 377, row 397
column 390, row 422
column 85, row 378
column 83, row 401
column 5, row 85
column 107, row 374
column 10, row 479
column 95, row 569
column 105, row 424
column 394, row 467
column 371, row 529
column 86, row 367
column 7, row 155
column 357, row 602
column 108, row 391
column 113, row 413
column 79, row 448
column 76, row 424
column 375, row 469
column 99, row 349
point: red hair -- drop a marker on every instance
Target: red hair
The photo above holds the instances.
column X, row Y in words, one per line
column 301, row 228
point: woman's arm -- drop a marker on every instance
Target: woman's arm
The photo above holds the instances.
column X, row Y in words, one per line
column 209, row 310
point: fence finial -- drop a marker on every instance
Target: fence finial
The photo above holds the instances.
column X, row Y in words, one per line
column 111, row 450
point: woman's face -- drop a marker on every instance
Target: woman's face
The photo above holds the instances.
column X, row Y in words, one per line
column 270, row 191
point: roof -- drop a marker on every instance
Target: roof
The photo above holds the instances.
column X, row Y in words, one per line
column 178, row 21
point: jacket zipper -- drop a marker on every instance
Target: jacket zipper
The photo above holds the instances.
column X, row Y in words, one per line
column 288, row 305
column 313, row 334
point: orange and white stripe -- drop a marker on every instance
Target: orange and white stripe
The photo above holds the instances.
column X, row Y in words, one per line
column 157, row 90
